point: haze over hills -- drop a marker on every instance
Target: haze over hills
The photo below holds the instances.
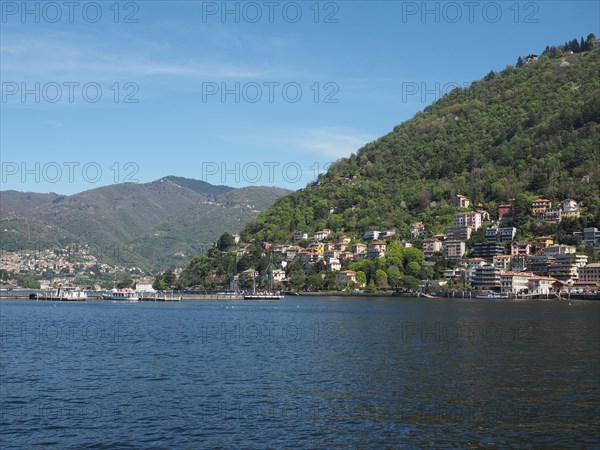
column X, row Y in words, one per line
column 153, row 225
column 529, row 130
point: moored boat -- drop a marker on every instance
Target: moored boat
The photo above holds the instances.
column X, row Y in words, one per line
column 492, row 296
column 123, row 295
column 263, row 296
column 62, row 294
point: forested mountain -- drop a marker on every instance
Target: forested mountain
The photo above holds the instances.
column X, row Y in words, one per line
column 152, row 225
column 526, row 131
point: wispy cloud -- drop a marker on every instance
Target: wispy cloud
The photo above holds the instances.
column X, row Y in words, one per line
column 63, row 55
column 331, row 141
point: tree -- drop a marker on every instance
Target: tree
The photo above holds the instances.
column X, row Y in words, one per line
column 591, row 42
column 412, row 254
column 381, row 279
column 169, row 277
column 520, row 62
column 394, row 274
column 361, row 279
column 225, row 242
column 126, row 282
column 522, row 209
column 490, row 76
column 410, row 282
column 28, row 283
column 371, row 286
column 413, row 268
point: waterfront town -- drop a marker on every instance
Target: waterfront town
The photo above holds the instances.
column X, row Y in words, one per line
column 496, row 263
column 46, row 267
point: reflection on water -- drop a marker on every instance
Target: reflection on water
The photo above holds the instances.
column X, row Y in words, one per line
column 300, row 373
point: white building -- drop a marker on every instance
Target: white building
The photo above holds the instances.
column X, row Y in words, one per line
column 514, row 282
column 334, row 264
column 300, row 236
column 372, row 235
column 323, row 234
column 570, row 208
column 468, row 219
column 376, row 250
column 278, row 275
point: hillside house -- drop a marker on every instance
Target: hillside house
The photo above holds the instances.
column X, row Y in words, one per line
column 388, row 234
column 555, row 250
column 417, row 230
column 520, row 248
column 553, row 215
column 459, row 233
column 530, row 58
column 371, row 235
column 278, row 275
column 468, row 219
column 359, row 249
column 431, row 246
column 502, row 261
column 334, row 264
column 505, row 211
column 460, row 201
column 376, row 250
column 504, row 234
column 346, row 278
column 541, row 242
column 300, row 236
column 321, row 235
column 345, row 240
column 454, row 250
column 540, row 206
column 317, row 247
column 570, row 209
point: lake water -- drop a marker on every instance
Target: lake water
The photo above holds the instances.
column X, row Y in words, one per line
column 300, row 373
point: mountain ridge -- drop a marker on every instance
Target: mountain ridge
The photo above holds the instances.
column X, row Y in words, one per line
column 531, row 130
column 133, row 216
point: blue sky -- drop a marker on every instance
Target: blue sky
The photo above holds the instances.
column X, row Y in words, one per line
column 238, row 93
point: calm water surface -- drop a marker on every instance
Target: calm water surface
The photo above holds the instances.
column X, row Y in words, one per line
column 300, row 373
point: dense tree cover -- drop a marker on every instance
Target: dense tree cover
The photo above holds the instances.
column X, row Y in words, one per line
column 165, row 281
column 574, row 46
column 520, row 133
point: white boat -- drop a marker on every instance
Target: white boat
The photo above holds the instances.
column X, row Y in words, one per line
column 262, row 295
column 65, row 294
column 492, row 296
column 123, row 295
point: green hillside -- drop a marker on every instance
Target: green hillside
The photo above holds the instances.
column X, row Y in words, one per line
column 152, row 225
column 533, row 129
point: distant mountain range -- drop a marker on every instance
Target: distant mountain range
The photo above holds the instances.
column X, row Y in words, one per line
column 152, row 225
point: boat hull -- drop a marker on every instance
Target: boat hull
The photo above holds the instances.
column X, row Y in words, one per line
column 263, row 297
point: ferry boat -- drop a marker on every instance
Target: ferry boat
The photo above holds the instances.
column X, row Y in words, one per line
column 123, row 295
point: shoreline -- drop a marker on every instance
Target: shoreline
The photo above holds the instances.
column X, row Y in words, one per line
column 24, row 295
